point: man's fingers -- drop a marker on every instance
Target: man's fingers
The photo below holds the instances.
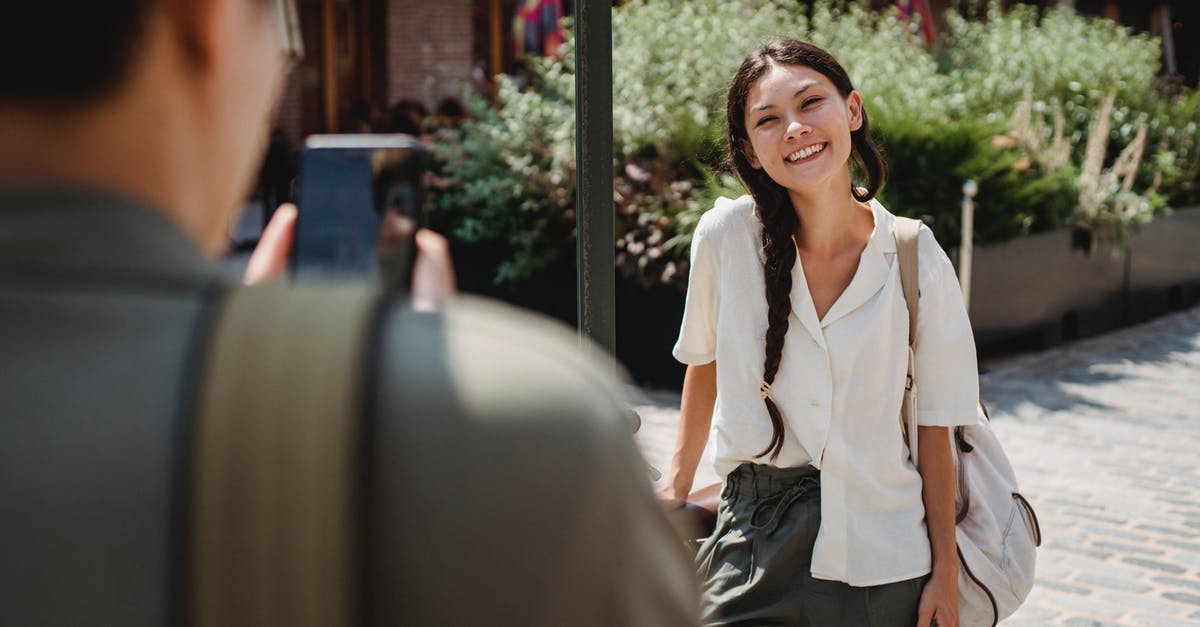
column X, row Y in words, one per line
column 270, row 257
column 433, row 272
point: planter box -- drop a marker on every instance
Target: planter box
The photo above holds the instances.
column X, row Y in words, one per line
column 1038, row 290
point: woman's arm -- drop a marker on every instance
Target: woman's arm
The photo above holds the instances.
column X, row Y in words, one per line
column 695, row 418
column 939, row 601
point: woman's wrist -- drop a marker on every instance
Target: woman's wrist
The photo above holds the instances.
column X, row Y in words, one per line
column 681, row 485
column 945, row 570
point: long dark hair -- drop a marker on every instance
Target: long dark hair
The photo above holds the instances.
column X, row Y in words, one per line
column 772, row 203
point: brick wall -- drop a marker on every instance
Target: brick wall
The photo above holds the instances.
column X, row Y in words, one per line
column 429, row 49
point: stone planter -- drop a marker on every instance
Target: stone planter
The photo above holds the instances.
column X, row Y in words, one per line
column 1039, row 290
column 1029, row 293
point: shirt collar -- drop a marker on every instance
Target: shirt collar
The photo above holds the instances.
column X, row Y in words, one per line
column 871, row 275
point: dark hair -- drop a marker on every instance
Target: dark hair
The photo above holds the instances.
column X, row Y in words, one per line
column 451, row 107
column 60, row 55
column 772, row 203
column 406, row 116
column 70, row 53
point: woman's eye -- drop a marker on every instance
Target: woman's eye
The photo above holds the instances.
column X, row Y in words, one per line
column 810, row 101
column 762, row 121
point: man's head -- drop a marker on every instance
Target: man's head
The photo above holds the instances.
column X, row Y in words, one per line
column 164, row 100
column 55, row 53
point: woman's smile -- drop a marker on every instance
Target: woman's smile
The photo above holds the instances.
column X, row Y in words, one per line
column 807, row 153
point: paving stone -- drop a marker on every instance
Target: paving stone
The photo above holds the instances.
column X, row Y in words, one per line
column 1167, row 530
column 1080, row 550
column 1146, row 602
column 1183, row 597
column 1157, row 621
column 1191, row 547
column 1064, row 587
column 1192, row 584
column 1181, row 501
column 1088, row 622
column 1098, row 517
column 1114, row 583
column 1114, row 532
column 1154, row 565
column 1186, row 558
column 1127, row 548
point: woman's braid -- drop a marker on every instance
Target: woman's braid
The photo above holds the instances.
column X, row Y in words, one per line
column 779, row 223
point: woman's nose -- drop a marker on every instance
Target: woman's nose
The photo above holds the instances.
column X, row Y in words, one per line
column 796, row 128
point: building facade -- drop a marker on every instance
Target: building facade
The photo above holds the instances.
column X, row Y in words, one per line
column 363, row 56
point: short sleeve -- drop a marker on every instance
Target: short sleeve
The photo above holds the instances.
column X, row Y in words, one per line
column 947, row 375
column 697, row 343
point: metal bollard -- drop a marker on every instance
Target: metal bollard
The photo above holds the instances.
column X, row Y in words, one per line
column 968, row 236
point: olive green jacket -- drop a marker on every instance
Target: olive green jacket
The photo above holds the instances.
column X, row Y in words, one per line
column 506, row 489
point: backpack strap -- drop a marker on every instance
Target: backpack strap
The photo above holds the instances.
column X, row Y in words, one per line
column 906, row 231
column 276, row 467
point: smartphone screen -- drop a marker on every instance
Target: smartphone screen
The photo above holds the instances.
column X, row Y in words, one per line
column 359, row 199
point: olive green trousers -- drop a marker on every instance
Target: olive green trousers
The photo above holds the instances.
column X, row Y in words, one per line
column 755, row 566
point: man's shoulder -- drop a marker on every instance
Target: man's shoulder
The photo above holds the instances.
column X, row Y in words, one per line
column 486, row 361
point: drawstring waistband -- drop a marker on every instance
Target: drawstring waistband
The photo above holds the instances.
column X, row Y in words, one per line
column 773, row 489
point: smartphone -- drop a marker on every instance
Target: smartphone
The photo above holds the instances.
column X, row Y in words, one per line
column 360, row 199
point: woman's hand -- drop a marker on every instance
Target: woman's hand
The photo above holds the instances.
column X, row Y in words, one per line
column 695, row 417
column 939, row 601
column 673, row 496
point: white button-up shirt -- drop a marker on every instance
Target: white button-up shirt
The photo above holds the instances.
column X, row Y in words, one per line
column 839, row 386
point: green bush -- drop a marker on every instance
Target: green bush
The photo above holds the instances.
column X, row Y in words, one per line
column 1014, row 196
column 942, row 118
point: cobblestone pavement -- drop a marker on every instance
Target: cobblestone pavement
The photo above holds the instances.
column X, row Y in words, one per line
column 1105, row 436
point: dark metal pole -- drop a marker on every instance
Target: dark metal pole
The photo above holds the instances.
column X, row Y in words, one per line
column 594, row 172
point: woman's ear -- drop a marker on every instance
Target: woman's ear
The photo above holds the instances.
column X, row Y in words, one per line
column 854, row 110
column 748, row 152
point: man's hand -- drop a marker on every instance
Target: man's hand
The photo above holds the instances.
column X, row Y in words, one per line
column 270, row 257
column 433, row 272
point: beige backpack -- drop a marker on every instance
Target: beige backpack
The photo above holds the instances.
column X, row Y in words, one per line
column 996, row 529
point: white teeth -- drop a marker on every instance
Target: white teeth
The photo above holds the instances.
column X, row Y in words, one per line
column 805, row 152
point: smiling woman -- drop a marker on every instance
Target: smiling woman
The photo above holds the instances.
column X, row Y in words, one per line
column 831, row 523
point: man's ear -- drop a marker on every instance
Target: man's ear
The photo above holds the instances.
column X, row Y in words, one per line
column 195, row 25
column 855, row 109
column 748, row 152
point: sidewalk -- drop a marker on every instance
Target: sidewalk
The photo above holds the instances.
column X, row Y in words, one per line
column 1105, row 437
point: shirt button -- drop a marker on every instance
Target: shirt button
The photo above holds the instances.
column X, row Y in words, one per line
column 814, row 402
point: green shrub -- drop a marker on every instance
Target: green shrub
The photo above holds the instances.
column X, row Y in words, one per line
column 941, row 118
column 928, row 163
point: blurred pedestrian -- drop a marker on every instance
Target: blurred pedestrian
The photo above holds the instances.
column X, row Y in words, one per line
column 497, row 480
column 796, row 338
column 407, row 116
